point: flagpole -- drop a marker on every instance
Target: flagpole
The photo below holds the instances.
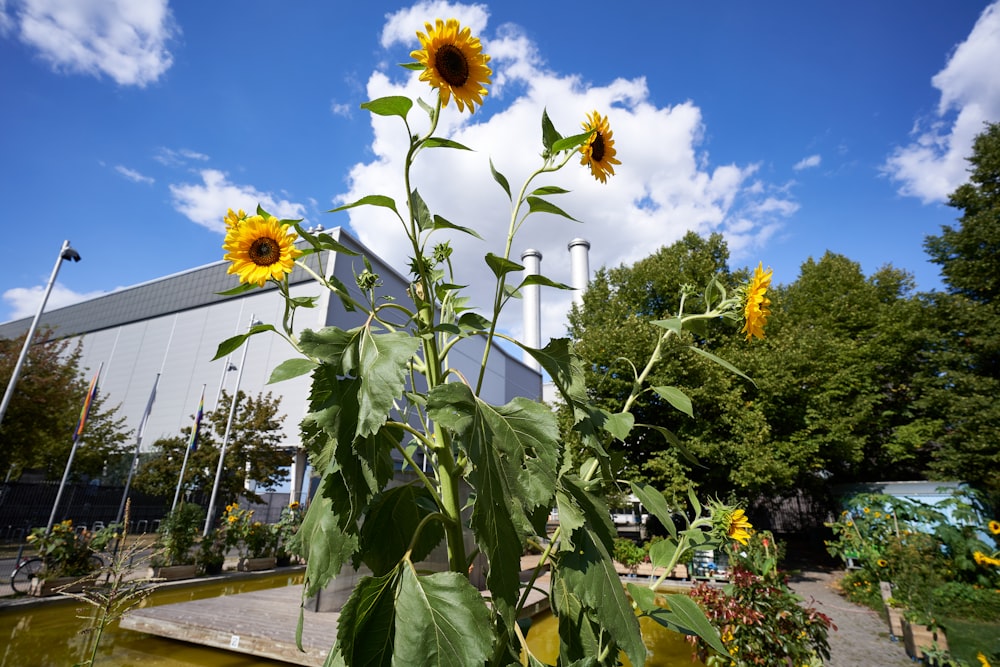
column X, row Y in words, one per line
column 135, row 454
column 225, row 438
column 191, row 445
column 91, row 392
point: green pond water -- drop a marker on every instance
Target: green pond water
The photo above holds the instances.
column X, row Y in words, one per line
column 48, row 634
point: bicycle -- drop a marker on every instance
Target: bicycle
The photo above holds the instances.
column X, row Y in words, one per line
column 28, row 568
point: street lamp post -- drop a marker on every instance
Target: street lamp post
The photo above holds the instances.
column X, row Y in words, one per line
column 66, row 252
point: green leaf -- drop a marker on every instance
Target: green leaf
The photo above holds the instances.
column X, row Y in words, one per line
column 656, row 504
column 682, row 614
column 327, row 242
column 230, row 345
column 569, row 143
column 676, row 398
column 370, row 200
column 390, row 524
column 382, row 367
column 501, row 266
column 438, row 142
column 441, row 621
column 589, row 571
column 662, row 552
column 501, row 179
column 549, row 134
column 334, row 346
column 474, row 321
column 291, row 368
column 549, row 190
column 394, row 105
column 323, row 544
column 366, row 628
column 619, row 425
column 421, row 212
column 539, row 279
column 416, row 67
column 722, row 362
column 441, row 223
column 675, row 442
column 673, row 324
column 539, row 205
column 239, row 289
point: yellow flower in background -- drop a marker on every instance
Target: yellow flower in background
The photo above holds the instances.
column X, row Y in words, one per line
column 995, row 527
column 882, row 562
column 982, row 660
column 867, row 510
column 294, row 505
column 757, row 307
column 454, row 63
column 260, row 248
column 739, row 527
column 983, row 559
column 599, row 152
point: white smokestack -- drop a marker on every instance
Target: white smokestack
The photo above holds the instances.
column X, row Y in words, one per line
column 532, row 260
column 579, row 261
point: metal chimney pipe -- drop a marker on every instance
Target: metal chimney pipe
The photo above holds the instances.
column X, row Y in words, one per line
column 579, row 261
column 532, row 305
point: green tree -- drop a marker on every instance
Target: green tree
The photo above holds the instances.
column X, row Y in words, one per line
column 254, row 452
column 961, row 393
column 37, row 430
column 624, row 299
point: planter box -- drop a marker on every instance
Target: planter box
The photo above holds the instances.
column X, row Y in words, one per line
column 45, row 587
column 895, row 621
column 173, row 572
column 256, row 564
column 680, row 571
column 916, row 637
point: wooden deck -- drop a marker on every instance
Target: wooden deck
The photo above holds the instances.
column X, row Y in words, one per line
column 261, row 623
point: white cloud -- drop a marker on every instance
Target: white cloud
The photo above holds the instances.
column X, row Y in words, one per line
column 664, row 187
column 23, row 301
column 402, row 26
column 178, row 157
column 133, row 175
column 934, row 163
column 206, row 202
column 807, row 162
column 121, row 39
column 341, row 109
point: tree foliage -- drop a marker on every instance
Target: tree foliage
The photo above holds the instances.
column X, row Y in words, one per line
column 37, row 430
column 253, row 452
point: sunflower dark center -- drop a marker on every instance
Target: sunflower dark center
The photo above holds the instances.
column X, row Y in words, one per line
column 264, row 251
column 452, row 65
column 597, row 147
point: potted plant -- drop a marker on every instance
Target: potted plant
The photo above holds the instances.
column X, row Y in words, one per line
column 287, row 526
column 173, row 556
column 212, row 551
column 261, row 544
column 68, row 556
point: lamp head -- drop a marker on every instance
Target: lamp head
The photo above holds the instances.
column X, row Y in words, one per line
column 69, row 253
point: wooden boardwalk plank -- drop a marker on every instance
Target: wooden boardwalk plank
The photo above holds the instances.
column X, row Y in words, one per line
column 260, row 623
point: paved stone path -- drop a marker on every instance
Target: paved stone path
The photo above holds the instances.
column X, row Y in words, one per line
column 862, row 638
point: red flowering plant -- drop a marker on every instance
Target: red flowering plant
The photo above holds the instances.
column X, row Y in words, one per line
column 759, row 618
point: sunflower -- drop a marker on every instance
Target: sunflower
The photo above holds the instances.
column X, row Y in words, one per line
column 739, row 527
column 757, row 309
column 260, row 248
column 599, row 152
column 881, row 562
column 995, row 527
column 454, row 63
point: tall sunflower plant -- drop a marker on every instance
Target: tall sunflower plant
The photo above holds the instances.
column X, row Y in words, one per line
column 384, row 395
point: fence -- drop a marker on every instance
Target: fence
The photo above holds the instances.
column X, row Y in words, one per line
column 27, row 505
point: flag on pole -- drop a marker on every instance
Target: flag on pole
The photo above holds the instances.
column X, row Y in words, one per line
column 149, row 408
column 193, row 444
column 86, row 407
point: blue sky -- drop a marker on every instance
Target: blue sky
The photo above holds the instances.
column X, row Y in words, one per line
column 791, row 127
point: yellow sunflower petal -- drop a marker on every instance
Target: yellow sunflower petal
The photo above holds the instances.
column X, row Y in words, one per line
column 757, row 307
column 739, row 527
column 599, row 151
column 260, row 249
column 454, row 63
